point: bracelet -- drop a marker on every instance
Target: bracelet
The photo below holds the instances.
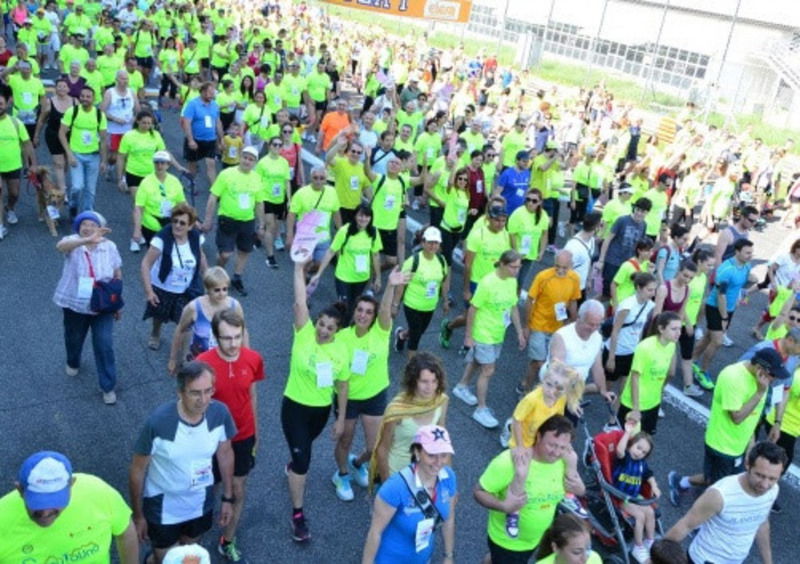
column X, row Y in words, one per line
column 228, row 499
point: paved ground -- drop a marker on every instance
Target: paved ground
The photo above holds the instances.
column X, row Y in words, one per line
column 45, row 409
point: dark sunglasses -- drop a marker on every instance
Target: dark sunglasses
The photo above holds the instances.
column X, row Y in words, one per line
column 794, row 318
column 533, row 200
column 318, row 177
column 181, row 222
column 276, row 144
column 356, row 151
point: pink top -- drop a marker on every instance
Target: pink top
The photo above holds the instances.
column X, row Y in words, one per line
column 105, row 259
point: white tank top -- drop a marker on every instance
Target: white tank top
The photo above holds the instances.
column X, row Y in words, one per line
column 726, row 538
column 580, row 354
column 121, row 106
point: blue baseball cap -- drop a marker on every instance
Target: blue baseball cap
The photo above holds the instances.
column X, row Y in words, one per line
column 45, row 479
column 90, row 215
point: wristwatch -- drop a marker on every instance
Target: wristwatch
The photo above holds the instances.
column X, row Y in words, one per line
column 228, row 499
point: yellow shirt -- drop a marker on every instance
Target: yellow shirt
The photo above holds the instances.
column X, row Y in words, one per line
column 531, row 412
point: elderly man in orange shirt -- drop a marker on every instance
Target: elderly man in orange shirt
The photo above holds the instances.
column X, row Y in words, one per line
column 332, row 124
column 552, row 302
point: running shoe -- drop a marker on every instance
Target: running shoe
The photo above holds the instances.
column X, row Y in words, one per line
column 135, row 247
column 464, row 394
column 109, row 398
column 463, row 351
column 360, row 473
column 344, row 490
column 300, row 531
column 484, row 416
column 675, row 489
column 640, row 554
column 520, row 389
column 279, row 244
column 271, row 262
column 505, row 438
column 238, row 285
column 727, row 341
column 70, row 371
column 692, row 391
column 552, row 249
column 444, row 334
column 399, row 342
column 229, row 550
column 703, row 378
column 512, row 525
column 776, row 508
column 573, row 504
column 11, row 217
column 698, row 333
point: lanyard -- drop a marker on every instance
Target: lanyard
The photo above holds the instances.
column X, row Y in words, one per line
column 177, row 252
column 89, row 261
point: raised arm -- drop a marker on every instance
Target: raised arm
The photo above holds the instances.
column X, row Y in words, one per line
column 301, row 315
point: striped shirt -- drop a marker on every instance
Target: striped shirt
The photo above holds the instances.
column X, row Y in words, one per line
column 105, row 259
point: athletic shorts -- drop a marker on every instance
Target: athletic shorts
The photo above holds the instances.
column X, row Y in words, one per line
column 622, row 366
column 321, row 106
column 205, row 150
column 114, row 140
column 234, row 233
column 320, row 250
column 278, row 210
column 165, row 536
column 243, row 459
column 538, row 345
column 133, row 179
column 389, row 241
column 502, row 555
column 717, row 465
column 714, row 321
column 11, row 174
column 373, row 407
column 484, row 354
column 649, row 418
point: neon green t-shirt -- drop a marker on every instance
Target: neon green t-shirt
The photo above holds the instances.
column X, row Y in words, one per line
column 12, row 135
column 612, row 211
column 594, row 558
column 157, row 199
column 387, row 202
column 544, row 486
column 428, row 148
column 456, row 206
column 108, row 65
column 527, row 231
column 653, row 218
column 694, row 301
column 274, row 95
column 143, row 43
column 275, row 175
column 627, row 269
column 26, row 96
column 327, row 203
column 319, row 84
column 84, row 135
column 350, row 181
column 475, row 141
column 314, row 368
column 423, row 290
column 368, row 361
column 238, row 193
column 487, row 246
column 439, row 166
column 96, row 513
column 139, row 149
column 735, row 387
column 292, row 88
column 791, row 417
column 168, row 59
column 493, row 300
column 513, row 143
column 355, row 254
column 651, row 360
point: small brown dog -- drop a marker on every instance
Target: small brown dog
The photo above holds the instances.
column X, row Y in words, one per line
column 49, row 197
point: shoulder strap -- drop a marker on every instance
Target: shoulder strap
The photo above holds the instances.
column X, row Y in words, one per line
column 381, row 182
column 420, row 495
column 320, row 199
column 415, row 262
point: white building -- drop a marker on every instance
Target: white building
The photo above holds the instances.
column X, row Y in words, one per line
column 749, row 48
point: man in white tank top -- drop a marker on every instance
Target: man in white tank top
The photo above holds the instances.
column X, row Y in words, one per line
column 120, row 105
column 580, row 345
column 734, row 511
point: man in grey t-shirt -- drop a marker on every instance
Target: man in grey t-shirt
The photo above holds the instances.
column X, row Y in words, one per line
column 620, row 245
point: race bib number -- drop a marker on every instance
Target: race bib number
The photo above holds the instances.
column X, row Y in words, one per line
column 361, row 263
column 777, row 395
column 432, row 289
column 244, row 202
column 86, row 137
column 462, row 216
column 525, row 245
column 27, row 98
column 207, row 122
column 388, row 203
column 429, row 153
column 560, row 310
column 276, row 189
column 233, row 152
column 422, row 538
column 359, row 363
column 479, row 186
column 355, row 183
column 85, row 285
column 200, row 474
column 324, row 375
column 264, row 121
column 166, row 208
column 53, row 213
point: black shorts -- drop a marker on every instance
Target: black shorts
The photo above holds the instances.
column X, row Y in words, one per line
column 205, row 150
column 165, row 536
column 278, row 210
column 301, row 425
column 243, row 459
column 11, row 175
column 221, row 71
column 373, row 407
column 53, row 142
column 714, row 321
column 133, row 179
column 502, row 555
column 649, row 418
column 622, row 366
column 145, row 62
column 717, row 465
column 321, row 106
column 234, row 233
column 389, row 240
column 686, row 344
column 205, row 62
column 347, row 215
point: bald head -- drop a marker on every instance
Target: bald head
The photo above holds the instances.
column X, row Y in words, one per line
column 563, row 262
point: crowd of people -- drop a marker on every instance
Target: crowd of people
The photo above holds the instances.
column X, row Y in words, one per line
column 649, row 241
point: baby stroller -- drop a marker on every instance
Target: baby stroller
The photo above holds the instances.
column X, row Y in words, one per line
column 603, row 505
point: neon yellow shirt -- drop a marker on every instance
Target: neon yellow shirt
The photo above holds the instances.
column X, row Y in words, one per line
column 735, row 387
column 327, row 203
column 651, row 360
column 368, row 361
column 423, row 290
column 350, row 181
column 275, row 176
column 84, row 135
column 527, row 231
column 139, row 149
column 314, row 368
column 355, row 254
column 487, row 246
column 493, row 300
column 238, row 193
column 157, row 199
column 12, row 135
column 387, row 202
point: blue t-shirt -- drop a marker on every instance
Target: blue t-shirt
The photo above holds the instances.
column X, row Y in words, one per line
column 672, row 264
column 730, row 278
column 630, row 474
column 514, row 184
column 397, row 541
column 203, row 118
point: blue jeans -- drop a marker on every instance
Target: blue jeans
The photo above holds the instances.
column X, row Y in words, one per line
column 83, row 178
column 76, row 325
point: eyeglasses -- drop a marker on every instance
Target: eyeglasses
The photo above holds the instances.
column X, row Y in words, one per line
column 752, row 219
column 276, row 144
column 220, row 289
column 181, row 222
column 533, row 200
column 356, row 151
column 318, row 177
column 490, row 155
column 288, row 131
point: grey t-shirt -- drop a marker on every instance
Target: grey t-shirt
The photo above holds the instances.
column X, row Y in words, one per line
column 627, row 233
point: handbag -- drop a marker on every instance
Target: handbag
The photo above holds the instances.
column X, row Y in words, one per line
column 106, row 296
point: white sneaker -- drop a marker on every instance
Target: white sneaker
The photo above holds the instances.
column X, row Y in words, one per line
column 344, row 490
column 727, row 341
column 464, row 394
column 661, row 414
column 505, row 434
column 640, row 554
column 135, row 246
column 109, row 398
column 279, row 244
column 3, row 232
column 11, row 217
column 484, row 416
column 70, row 371
column 693, row 391
column 698, row 333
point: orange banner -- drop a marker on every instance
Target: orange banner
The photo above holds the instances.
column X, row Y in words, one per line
column 443, row 10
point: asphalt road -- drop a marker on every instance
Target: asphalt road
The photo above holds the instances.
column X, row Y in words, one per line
column 44, row 409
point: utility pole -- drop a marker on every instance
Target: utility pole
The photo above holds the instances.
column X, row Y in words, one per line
column 501, row 38
column 654, row 56
column 596, row 38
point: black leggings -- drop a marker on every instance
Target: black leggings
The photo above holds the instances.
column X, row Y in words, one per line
column 449, row 241
column 301, row 425
column 349, row 292
column 168, row 85
column 418, row 322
